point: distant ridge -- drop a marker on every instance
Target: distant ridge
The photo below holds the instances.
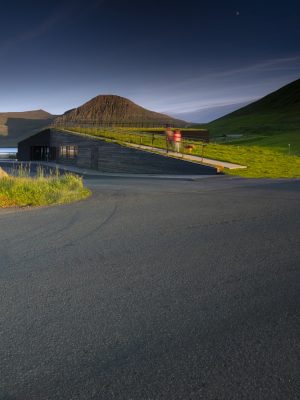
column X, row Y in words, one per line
column 111, row 109
column 34, row 114
column 275, row 113
column 16, row 126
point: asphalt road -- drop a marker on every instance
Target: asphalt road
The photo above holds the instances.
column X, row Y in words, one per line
column 154, row 289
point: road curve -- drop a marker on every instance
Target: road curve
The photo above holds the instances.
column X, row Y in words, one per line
column 153, row 289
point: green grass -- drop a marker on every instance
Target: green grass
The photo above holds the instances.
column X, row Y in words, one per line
column 278, row 142
column 262, row 162
column 268, row 125
column 265, row 156
column 22, row 190
column 274, row 114
column 263, row 124
column 131, row 135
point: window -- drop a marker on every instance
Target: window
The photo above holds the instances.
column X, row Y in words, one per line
column 68, row 151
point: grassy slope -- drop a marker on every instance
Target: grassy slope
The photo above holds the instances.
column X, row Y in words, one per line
column 262, row 162
column 265, row 156
column 278, row 142
column 269, row 126
column 279, row 112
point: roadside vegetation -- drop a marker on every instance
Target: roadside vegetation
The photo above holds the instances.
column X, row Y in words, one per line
column 266, row 156
column 20, row 190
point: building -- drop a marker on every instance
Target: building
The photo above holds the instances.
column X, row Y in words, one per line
column 84, row 151
column 61, row 147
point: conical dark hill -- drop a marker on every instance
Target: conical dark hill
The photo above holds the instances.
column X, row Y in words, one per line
column 111, row 109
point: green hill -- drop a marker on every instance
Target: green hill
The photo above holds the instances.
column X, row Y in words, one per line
column 269, row 135
column 276, row 113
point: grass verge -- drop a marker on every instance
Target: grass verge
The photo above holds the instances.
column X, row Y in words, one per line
column 40, row 191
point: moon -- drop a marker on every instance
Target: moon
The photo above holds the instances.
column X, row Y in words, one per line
column 237, row 13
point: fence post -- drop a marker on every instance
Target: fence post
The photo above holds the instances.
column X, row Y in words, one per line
column 203, row 145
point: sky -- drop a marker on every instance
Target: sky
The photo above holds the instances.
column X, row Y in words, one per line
column 192, row 59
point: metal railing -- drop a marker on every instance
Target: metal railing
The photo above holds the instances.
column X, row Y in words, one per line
column 186, row 146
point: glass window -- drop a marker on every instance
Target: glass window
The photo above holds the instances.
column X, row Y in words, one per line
column 68, row 151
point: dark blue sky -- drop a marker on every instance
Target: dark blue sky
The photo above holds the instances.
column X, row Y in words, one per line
column 170, row 56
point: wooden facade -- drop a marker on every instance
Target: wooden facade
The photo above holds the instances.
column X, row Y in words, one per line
column 76, row 149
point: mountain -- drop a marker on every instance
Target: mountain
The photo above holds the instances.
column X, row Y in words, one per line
column 277, row 112
column 109, row 109
column 16, row 126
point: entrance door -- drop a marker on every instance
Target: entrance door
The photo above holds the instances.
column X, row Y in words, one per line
column 42, row 153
